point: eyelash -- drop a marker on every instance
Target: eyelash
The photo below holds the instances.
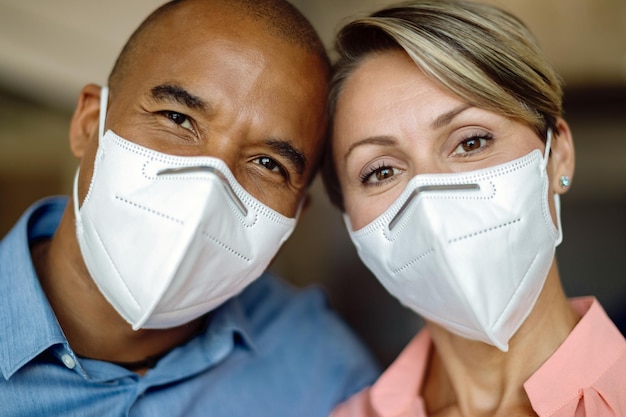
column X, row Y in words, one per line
column 474, row 136
column 372, row 170
column 281, row 170
column 171, row 115
column 364, row 178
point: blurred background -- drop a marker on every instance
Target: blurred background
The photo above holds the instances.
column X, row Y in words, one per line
column 50, row 49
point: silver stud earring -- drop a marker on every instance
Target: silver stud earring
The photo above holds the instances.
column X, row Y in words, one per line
column 564, row 181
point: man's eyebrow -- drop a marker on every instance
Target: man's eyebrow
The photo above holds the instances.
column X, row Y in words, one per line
column 447, row 117
column 372, row 140
column 285, row 149
column 176, row 93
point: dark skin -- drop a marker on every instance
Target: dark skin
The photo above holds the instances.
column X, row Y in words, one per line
column 208, row 82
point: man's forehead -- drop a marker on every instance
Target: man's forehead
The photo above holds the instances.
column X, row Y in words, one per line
column 209, row 15
column 277, row 20
column 204, row 26
column 192, row 44
column 199, row 16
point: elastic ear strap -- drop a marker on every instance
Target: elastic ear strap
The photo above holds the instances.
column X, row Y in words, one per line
column 557, row 199
column 75, row 193
column 104, row 100
column 300, row 207
column 546, row 154
column 557, row 209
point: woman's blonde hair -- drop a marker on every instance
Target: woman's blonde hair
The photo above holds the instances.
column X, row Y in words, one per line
column 479, row 52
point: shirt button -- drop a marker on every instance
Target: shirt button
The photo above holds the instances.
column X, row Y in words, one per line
column 68, row 361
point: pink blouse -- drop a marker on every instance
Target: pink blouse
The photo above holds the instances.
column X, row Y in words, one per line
column 585, row 377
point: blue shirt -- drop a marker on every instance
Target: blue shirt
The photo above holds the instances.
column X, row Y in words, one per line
column 272, row 351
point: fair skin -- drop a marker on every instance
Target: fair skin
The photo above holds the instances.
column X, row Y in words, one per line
column 212, row 84
column 393, row 123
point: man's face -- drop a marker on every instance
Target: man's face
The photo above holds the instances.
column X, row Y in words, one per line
column 214, row 84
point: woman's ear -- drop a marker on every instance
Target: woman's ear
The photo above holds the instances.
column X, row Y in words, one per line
column 562, row 157
column 84, row 124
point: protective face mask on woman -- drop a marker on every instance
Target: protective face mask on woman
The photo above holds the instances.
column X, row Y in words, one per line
column 469, row 251
column 169, row 238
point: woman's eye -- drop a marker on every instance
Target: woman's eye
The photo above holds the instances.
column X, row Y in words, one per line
column 471, row 145
column 270, row 164
column 380, row 174
column 180, row 119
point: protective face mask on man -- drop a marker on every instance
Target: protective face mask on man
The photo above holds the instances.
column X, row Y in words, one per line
column 169, row 238
column 469, row 251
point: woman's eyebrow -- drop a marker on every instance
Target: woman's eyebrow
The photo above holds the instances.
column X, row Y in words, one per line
column 448, row 116
column 441, row 120
column 176, row 93
column 372, row 140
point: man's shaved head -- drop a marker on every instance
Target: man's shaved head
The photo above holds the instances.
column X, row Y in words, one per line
column 278, row 17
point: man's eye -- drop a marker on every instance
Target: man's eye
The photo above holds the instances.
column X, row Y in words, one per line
column 270, row 164
column 180, row 119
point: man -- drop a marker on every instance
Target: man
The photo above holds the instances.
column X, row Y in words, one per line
column 194, row 163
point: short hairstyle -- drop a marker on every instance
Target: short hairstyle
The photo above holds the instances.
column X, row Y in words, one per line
column 479, row 52
column 279, row 17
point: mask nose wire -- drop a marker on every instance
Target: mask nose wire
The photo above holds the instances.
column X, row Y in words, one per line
column 211, row 170
column 429, row 188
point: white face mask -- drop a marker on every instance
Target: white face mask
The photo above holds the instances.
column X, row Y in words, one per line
column 169, row 238
column 469, row 251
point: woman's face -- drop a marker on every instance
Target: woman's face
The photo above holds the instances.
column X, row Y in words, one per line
column 392, row 123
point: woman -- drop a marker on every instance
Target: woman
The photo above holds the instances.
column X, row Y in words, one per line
column 448, row 156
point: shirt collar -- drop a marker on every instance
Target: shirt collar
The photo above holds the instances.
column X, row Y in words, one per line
column 34, row 327
column 229, row 320
column 397, row 389
column 227, row 330
column 591, row 348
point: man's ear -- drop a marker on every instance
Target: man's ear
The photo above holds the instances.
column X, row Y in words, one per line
column 84, row 124
column 562, row 152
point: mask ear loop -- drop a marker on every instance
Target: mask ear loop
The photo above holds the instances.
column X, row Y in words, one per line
column 75, row 194
column 104, row 100
column 556, row 197
column 301, row 204
column 546, row 154
column 557, row 208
